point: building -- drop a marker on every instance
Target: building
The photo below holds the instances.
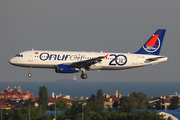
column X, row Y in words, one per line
column 11, row 99
column 16, row 94
column 4, row 104
column 109, row 100
column 167, row 101
column 53, row 99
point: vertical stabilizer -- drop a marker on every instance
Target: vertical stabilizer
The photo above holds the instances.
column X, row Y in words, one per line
column 153, row 45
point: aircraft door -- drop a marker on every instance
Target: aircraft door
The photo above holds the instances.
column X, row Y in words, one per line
column 30, row 56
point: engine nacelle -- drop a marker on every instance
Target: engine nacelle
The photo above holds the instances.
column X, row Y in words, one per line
column 66, row 69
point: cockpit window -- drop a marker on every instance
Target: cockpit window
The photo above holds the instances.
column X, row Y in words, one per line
column 19, row 55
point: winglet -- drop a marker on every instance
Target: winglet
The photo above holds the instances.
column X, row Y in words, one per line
column 106, row 56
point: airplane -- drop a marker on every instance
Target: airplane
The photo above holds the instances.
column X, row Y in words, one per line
column 72, row 62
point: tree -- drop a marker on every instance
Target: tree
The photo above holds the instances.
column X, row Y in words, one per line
column 175, row 100
column 96, row 104
column 127, row 104
column 8, row 114
column 91, row 104
column 115, row 104
column 134, row 101
column 174, row 103
column 76, row 105
column 158, row 105
column 43, row 97
column 163, row 104
column 100, row 100
column 141, row 100
column 60, row 106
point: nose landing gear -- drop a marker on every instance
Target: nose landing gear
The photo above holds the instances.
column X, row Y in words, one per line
column 30, row 70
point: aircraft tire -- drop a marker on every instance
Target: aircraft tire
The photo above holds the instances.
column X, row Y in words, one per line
column 29, row 75
column 83, row 76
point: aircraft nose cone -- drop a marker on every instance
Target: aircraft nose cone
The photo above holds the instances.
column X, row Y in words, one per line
column 12, row 61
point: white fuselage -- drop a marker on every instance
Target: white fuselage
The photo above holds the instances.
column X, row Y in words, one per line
column 71, row 62
column 114, row 61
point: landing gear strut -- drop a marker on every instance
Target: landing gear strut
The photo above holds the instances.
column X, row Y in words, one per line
column 83, row 75
column 30, row 70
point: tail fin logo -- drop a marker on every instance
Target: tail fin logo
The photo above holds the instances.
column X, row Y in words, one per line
column 153, row 44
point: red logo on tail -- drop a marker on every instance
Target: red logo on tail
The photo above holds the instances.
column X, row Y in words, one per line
column 152, row 41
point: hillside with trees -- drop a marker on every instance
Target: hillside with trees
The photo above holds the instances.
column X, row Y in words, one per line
column 92, row 109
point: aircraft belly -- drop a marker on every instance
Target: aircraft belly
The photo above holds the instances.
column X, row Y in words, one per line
column 36, row 65
column 116, row 68
column 95, row 67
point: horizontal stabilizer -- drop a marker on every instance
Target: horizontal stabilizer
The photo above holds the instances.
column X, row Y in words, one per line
column 153, row 59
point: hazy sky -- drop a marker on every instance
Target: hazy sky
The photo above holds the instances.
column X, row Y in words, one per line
column 89, row 25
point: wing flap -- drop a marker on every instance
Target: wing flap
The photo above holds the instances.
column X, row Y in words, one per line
column 87, row 63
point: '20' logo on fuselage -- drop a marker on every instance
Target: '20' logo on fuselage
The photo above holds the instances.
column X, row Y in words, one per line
column 118, row 60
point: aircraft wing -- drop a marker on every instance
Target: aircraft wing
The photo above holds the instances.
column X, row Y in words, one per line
column 87, row 63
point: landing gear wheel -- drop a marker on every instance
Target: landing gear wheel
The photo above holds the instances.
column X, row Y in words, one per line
column 83, row 76
column 29, row 75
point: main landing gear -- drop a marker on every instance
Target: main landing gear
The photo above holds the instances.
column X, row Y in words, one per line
column 83, row 75
column 30, row 70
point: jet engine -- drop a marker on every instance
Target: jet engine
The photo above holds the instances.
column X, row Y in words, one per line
column 66, row 69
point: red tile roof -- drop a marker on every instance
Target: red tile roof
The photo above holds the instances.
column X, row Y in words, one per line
column 114, row 99
column 52, row 100
column 15, row 94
